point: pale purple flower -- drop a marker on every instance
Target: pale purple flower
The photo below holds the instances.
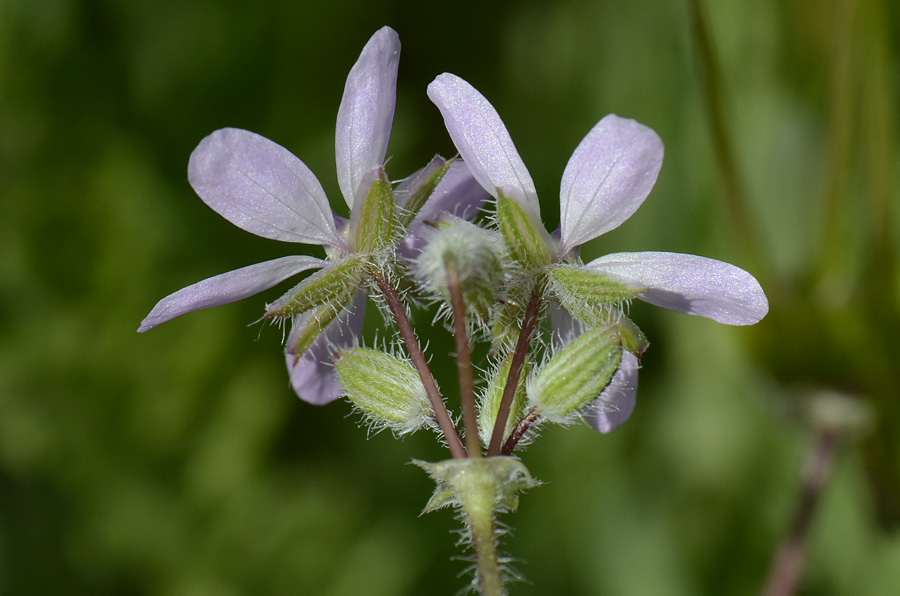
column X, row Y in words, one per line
column 264, row 189
column 607, row 178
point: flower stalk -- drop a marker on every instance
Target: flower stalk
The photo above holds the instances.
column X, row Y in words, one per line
column 463, row 357
column 529, row 322
column 411, row 340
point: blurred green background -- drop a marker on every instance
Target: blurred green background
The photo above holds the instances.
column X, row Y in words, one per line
column 179, row 462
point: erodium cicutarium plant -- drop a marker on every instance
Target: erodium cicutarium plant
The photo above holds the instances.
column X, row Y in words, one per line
column 562, row 346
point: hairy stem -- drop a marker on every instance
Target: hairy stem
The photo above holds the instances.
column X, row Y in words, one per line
column 519, row 431
column 515, row 370
column 484, row 543
column 463, row 358
column 395, row 304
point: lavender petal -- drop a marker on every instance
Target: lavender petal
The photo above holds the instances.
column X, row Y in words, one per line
column 366, row 113
column 689, row 284
column 227, row 287
column 262, row 188
column 607, row 178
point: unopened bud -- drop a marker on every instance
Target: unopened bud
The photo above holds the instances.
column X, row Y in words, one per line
column 489, row 404
column 387, row 389
column 575, row 375
column 471, row 253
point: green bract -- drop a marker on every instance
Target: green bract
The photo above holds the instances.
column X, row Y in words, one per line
column 576, row 375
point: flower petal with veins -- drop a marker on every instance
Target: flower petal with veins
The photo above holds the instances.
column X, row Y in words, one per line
column 366, row 113
column 262, row 188
column 689, row 284
column 607, row 178
column 227, row 287
column 483, row 141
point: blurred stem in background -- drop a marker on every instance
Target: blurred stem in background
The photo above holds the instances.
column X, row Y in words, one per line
column 833, row 328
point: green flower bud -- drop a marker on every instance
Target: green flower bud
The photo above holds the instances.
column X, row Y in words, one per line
column 473, row 253
column 524, row 239
column 334, row 287
column 575, row 375
column 489, row 403
column 385, row 388
column 589, row 296
column 374, row 219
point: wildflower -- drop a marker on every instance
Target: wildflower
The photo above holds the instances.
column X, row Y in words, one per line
column 607, row 178
column 264, row 189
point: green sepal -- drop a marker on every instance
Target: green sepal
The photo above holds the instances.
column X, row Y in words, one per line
column 387, row 389
column 633, row 339
column 576, row 374
column 509, row 313
column 422, row 193
column 312, row 327
column 589, row 296
column 333, row 287
column 523, row 238
column 376, row 227
column 489, row 404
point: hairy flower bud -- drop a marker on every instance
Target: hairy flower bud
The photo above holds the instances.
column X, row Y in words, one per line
column 489, row 403
column 471, row 252
column 575, row 375
column 387, row 389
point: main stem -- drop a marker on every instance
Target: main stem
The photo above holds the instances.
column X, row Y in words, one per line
column 463, row 358
column 515, row 370
column 484, row 543
column 454, row 442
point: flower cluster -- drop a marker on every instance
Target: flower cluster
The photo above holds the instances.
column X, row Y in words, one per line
column 466, row 234
column 510, row 273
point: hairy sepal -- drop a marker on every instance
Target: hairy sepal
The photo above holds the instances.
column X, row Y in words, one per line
column 376, row 226
column 574, row 376
column 420, row 195
column 385, row 388
column 591, row 297
column 331, row 287
column 524, row 239
column 489, row 403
